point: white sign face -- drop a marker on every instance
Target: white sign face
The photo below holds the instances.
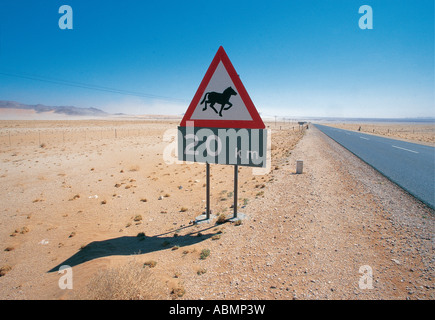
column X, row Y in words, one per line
column 221, row 100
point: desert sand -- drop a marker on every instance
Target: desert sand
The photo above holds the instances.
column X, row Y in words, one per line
column 108, row 198
column 423, row 133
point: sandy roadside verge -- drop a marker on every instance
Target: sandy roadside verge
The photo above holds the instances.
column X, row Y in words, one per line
column 422, row 133
column 311, row 234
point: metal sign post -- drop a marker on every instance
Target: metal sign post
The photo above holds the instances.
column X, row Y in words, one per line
column 236, row 178
column 207, row 172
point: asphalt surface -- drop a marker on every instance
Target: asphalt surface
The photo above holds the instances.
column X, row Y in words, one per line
column 409, row 165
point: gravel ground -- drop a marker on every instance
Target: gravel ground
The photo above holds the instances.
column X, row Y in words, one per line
column 306, row 236
column 313, row 235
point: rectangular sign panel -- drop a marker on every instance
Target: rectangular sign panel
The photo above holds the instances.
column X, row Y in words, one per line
column 244, row 147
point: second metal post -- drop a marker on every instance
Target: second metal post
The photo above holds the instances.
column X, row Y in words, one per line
column 236, row 177
column 208, row 190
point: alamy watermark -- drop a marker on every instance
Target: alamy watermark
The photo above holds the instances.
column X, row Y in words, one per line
column 365, row 21
column 66, row 280
column 250, row 147
column 366, row 280
column 66, row 20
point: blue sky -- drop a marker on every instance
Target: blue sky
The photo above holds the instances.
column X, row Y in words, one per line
column 295, row 58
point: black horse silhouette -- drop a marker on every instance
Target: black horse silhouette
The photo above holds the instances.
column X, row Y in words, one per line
column 221, row 98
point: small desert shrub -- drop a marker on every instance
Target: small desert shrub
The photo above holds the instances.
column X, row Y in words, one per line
column 150, row 263
column 204, row 254
column 77, row 196
column 128, row 282
column 138, row 218
column 201, row 271
column 5, row 269
column 238, row 223
column 178, row 291
column 134, row 168
column 221, row 218
column 23, row 230
column 216, row 237
column 183, row 209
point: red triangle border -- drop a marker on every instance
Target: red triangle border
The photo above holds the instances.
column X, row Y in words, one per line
column 255, row 123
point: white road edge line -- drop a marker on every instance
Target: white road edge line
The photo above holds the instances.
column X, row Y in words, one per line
column 405, row 149
column 364, row 138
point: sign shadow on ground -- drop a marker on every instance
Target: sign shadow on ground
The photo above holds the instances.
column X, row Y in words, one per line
column 132, row 245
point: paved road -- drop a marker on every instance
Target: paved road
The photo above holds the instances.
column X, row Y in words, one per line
column 410, row 165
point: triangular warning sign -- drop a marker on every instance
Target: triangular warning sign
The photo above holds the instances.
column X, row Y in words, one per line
column 221, row 100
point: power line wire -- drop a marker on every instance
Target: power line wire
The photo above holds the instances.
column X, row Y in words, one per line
column 89, row 86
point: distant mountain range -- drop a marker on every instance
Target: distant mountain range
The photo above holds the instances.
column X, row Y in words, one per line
column 66, row 110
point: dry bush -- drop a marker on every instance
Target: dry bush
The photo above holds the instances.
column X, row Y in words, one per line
column 216, row 237
column 138, row 218
column 131, row 281
column 204, row 254
column 238, row 223
column 201, row 271
column 5, row 269
column 178, row 291
column 150, row 263
column 221, row 218
column 23, row 230
column 134, row 168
